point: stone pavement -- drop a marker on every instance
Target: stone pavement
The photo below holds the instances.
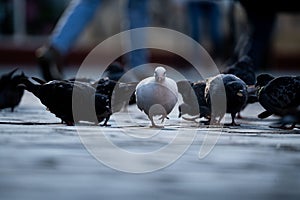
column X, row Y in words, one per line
column 43, row 159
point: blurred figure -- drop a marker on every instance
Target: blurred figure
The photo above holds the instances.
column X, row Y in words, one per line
column 205, row 17
column 138, row 16
column 72, row 23
column 6, row 17
column 261, row 17
column 41, row 16
column 38, row 17
column 251, row 52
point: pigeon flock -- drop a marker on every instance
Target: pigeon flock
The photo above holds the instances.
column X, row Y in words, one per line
column 159, row 94
column 57, row 97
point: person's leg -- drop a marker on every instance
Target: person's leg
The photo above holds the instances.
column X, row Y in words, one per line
column 216, row 28
column 74, row 20
column 261, row 25
column 193, row 17
column 253, row 47
column 138, row 16
column 258, row 43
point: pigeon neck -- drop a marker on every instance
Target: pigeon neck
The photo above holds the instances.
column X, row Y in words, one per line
column 31, row 87
column 259, row 91
column 159, row 79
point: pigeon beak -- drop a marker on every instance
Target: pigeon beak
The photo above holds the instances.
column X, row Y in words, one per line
column 240, row 94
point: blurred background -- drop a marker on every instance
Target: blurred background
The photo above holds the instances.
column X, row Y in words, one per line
column 26, row 25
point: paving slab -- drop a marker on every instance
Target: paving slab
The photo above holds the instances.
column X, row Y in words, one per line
column 44, row 159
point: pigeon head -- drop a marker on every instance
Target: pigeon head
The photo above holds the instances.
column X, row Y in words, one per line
column 236, row 89
column 10, row 74
column 6, row 78
column 19, row 78
column 263, row 79
column 160, row 74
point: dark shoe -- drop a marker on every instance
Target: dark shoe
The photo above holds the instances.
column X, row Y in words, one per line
column 50, row 63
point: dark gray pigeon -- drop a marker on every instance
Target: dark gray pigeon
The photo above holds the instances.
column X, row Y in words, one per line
column 194, row 102
column 57, row 97
column 10, row 93
column 157, row 95
column 120, row 94
column 263, row 80
column 236, row 95
column 278, row 96
column 243, row 69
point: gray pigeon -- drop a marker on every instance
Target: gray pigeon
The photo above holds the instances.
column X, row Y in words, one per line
column 236, row 95
column 120, row 94
column 157, row 95
column 193, row 98
column 279, row 96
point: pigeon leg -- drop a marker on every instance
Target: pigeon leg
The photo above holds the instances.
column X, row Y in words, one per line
column 12, row 109
column 284, row 127
column 219, row 120
column 213, row 121
column 69, row 123
column 239, row 116
column 163, row 117
column 232, row 122
column 105, row 122
column 153, row 125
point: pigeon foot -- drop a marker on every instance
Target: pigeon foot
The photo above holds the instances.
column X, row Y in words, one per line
column 283, row 126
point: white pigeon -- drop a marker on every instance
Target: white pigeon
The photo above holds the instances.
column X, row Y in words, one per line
column 157, row 95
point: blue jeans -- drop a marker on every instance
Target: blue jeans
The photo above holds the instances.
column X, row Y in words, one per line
column 203, row 15
column 74, row 20
column 137, row 13
column 78, row 15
